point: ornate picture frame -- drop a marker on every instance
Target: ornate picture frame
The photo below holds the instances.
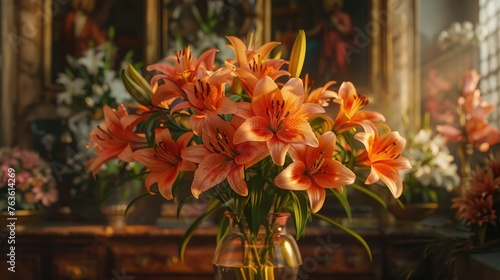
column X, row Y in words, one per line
column 143, row 39
column 361, row 51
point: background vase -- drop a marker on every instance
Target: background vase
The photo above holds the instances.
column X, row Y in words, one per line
column 272, row 255
column 413, row 212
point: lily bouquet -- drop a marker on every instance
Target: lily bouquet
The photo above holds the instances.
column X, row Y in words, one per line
column 249, row 137
column 92, row 80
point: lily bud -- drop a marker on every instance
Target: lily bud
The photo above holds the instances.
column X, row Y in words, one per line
column 298, row 54
column 136, row 85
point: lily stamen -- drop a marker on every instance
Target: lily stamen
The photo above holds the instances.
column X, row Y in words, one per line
column 105, row 132
column 387, row 148
column 317, row 165
column 166, row 152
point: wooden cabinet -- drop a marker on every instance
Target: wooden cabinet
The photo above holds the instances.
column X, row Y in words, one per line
column 327, row 254
column 148, row 252
column 158, row 256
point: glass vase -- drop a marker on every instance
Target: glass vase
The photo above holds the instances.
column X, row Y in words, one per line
column 272, row 255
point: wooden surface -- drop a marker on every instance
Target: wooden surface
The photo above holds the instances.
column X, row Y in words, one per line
column 151, row 252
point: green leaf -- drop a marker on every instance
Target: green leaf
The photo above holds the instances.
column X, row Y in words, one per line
column 300, row 211
column 433, row 196
column 143, row 195
column 342, row 197
column 257, row 209
column 371, row 194
column 222, row 229
column 213, row 206
column 150, row 131
column 103, row 198
column 181, row 204
column 240, row 203
column 348, row 230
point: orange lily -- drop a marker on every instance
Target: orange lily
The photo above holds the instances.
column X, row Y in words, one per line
column 450, row 133
column 350, row 114
column 164, row 161
column 314, row 170
column 253, row 65
column 115, row 138
column 470, row 79
column 321, row 95
column 220, row 159
column 185, row 66
column 474, row 105
column 207, row 95
column 383, row 155
column 481, row 134
column 166, row 93
column 279, row 118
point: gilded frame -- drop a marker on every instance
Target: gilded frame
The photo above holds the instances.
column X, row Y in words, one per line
column 373, row 29
column 151, row 44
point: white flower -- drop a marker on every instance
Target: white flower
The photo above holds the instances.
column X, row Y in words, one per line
column 92, row 59
column 118, row 91
column 72, row 87
column 431, row 160
column 423, row 136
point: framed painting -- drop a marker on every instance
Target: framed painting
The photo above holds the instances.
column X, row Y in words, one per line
column 343, row 38
column 204, row 24
column 75, row 25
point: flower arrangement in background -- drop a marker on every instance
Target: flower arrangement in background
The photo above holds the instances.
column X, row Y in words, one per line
column 35, row 186
column 433, row 167
column 479, row 206
column 472, row 112
column 93, row 80
column 249, row 136
column 473, row 130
